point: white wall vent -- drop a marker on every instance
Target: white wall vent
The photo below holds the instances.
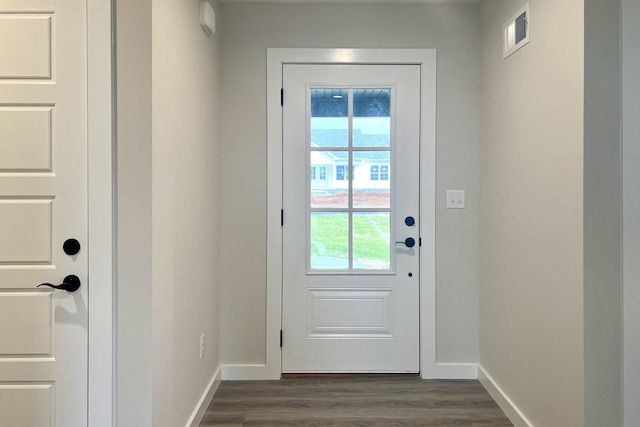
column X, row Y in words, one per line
column 515, row 32
column 207, row 18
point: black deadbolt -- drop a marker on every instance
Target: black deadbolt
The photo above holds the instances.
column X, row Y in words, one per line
column 71, row 247
column 409, row 221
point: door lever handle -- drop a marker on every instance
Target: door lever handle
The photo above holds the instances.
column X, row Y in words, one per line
column 70, row 283
column 408, row 242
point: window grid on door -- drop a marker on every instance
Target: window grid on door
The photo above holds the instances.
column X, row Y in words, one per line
column 350, row 215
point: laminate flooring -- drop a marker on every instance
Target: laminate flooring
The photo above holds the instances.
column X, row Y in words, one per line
column 340, row 401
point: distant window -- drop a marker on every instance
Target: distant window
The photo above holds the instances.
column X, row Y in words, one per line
column 379, row 173
column 384, row 173
column 375, row 173
column 318, row 173
column 342, row 173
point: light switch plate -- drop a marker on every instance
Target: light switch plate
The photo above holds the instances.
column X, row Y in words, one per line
column 456, row 199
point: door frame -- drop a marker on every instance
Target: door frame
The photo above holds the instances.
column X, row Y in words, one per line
column 276, row 58
column 100, row 243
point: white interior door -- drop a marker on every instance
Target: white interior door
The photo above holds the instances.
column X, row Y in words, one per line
column 350, row 192
column 43, row 202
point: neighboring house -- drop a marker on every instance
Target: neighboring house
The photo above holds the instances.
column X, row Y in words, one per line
column 329, row 170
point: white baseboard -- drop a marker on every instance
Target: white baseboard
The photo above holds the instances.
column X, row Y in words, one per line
column 205, row 400
column 449, row 371
column 247, row 373
column 504, row 402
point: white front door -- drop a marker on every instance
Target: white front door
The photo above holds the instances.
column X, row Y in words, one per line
column 43, row 203
column 350, row 199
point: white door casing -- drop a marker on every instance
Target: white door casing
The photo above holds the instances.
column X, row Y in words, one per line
column 353, row 311
column 43, row 202
column 101, row 171
column 276, row 59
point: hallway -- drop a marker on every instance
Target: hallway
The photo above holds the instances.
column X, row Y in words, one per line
column 383, row 400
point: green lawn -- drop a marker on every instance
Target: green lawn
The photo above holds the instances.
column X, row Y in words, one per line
column 329, row 236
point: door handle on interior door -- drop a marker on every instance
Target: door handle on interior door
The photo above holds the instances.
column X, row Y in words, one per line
column 70, row 283
column 408, row 242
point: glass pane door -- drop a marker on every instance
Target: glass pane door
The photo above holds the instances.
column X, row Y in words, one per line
column 350, row 165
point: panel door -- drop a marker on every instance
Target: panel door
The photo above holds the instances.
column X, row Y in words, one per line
column 43, row 202
column 351, row 218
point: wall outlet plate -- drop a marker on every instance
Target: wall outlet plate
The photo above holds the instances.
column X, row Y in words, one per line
column 201, row 346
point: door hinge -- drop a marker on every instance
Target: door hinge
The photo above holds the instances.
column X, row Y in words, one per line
column 280, row 338
column 281, row 217
column 282, row 97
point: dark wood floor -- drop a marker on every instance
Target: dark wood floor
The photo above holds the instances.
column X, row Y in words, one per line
column 353, row 401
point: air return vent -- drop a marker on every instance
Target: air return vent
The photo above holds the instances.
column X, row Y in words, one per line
column 516, row 32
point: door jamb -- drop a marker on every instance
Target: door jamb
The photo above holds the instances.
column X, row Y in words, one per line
column 101, row 387
column 276, row 58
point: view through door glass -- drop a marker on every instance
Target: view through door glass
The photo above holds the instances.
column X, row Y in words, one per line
column 350, row 179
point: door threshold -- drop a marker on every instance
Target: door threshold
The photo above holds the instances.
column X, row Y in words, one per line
column 349, row 375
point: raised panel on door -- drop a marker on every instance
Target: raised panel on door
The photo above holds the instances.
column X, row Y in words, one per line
column 27, row 138
column 31, row 314
column 350, row 313
column 43, row 202
column 27, row 224
column 32, row 34
column 27, row 404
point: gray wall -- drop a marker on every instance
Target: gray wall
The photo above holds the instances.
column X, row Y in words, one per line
column 134, row 212
column 631, row 208
column 531, row 211
column 247, row 31
column 602, row 215
column 186, row 90
column 168, row 92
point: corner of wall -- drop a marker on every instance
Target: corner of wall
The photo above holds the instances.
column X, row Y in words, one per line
column 184, row 79
column 602, row 215
column 531, row 215
column 207, row 396
column 631, row 207
column 133, row 217
column 511, row 410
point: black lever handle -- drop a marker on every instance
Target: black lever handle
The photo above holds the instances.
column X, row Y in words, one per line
column 408, row 242
column 70, row 283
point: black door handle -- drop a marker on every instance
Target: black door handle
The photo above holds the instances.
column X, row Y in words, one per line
column 408, row 242
column 70, row 283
